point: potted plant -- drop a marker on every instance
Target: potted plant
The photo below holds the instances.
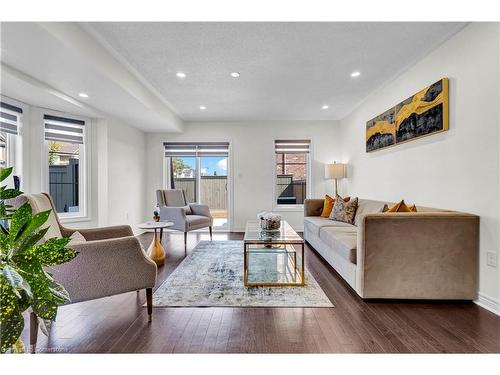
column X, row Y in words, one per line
column 25, row 282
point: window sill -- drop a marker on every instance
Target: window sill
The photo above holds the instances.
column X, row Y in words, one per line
column 74, row 219
column 289, row 208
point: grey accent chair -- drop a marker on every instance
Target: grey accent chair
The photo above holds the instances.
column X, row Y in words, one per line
column 186, row 217
column 110, row 261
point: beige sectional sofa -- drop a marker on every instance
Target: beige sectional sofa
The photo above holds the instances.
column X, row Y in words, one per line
column 430, row 254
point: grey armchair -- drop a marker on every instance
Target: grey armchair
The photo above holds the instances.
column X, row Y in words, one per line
column 186, row 217
column 110, row 261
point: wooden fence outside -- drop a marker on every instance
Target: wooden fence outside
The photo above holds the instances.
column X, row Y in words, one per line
column 213, row 190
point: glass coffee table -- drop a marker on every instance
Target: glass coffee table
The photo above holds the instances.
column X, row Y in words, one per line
column 272, row 258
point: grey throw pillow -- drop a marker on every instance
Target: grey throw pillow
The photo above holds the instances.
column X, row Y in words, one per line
column 76, row 238
column 344, row 211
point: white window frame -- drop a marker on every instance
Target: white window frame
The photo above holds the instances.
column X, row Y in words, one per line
column 83, row 165
column 14, row 143
column 230, row 204
column 291, row 207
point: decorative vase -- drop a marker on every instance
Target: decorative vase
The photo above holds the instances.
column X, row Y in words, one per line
column 269, row 221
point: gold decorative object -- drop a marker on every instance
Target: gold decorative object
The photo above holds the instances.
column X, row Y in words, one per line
column 156, row 251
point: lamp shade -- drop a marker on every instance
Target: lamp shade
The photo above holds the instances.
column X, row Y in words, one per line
column 336, row 170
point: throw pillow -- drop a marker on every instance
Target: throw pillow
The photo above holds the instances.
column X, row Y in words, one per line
column 328, row 205
column 76, row 238
column 344, row 211
column 400, row 207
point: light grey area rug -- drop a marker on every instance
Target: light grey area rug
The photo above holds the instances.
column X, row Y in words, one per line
column 212, row 275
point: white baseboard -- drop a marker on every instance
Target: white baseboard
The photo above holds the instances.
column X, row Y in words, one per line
column 488, row 303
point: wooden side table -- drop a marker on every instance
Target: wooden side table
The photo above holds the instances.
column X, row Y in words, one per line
column 156, row 251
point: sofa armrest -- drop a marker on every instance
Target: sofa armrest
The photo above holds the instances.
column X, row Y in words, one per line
column 313, row 207
column 106, row 267
column 103, row 233
column 200, row 209
column 418, row 256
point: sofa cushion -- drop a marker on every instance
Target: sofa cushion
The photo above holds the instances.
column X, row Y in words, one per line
column 365, row 207
column 314, row 223
column 341, row 240
column 197, row 220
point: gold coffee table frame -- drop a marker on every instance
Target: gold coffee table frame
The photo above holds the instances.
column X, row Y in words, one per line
column 285, row 241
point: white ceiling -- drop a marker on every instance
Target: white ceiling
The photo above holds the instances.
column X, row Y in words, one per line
column 49, row 64
column 288, row 70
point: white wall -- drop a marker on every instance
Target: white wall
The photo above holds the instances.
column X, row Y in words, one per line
column 126, row 175
column 457, row 169
column 252, row 147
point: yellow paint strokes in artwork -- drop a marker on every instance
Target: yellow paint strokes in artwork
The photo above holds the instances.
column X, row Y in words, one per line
column 417, row 105
column 382, row 127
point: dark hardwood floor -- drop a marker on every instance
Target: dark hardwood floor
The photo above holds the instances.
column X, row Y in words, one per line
column 119, row 324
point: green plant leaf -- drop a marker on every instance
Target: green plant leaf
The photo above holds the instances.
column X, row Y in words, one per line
column 52, row 252
column 5, row 172
column 60, row 294
column 9, row 193
column 31, row 225
column 11, row 318
column 19, row 220
column 30, row 241
column 18, row 347
column 15, row 280
column 44, row 325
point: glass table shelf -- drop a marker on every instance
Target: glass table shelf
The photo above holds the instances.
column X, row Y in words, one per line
column 273, row 258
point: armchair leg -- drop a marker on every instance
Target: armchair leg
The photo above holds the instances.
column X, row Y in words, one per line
column 210, row 230
column 33, row 332
column 149, row 302
column 185, row 241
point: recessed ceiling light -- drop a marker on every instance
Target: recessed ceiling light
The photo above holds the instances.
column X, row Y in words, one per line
column 355, row 74
column 235, row 74
column 325, row 107
column 83, row 95
column 202, row 107
column 180, row 75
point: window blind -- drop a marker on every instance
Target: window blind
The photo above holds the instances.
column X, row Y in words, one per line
column 196, row 149
column 63, row 129
column 295, row 146
column 9, row 118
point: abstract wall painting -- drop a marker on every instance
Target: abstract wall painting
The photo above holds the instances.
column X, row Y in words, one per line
column 422, row 114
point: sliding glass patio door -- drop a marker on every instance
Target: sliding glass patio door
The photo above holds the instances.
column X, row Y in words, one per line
column 201, row 171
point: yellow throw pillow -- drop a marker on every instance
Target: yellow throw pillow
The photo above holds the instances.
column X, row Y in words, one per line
column 400, row 207
column 328, row 205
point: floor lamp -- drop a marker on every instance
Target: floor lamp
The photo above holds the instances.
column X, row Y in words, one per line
column 335, row 171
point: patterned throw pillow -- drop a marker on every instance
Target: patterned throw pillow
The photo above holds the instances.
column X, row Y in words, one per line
column 328, row 205
column 344, row 211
